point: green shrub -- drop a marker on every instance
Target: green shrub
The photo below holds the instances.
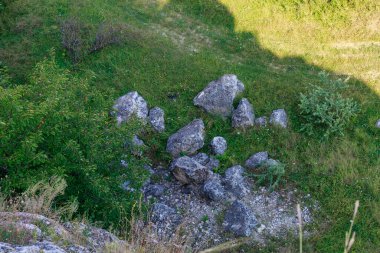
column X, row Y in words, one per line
column 272, row 173
column 57, row 125
column 324, row 111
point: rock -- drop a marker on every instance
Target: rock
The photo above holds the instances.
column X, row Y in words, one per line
column 271, row 163
column 126, row 186
column 188, row 139
column 378, row 124
column 162, row 212
column 209, row 162
column 235, row 181
column 157, row 119
column 256, row 160
column 279, row 118
column 131, row 104
column 186, row 170
column 217, row 98
column 239, row 219
column 261, row 122
column 154, row 190
column 213, row 188
column 243, row 116
column 136, row 145
column 44, row 246
column 124, row 164
column 218, row 145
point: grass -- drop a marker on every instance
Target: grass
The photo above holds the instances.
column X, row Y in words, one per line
column 276, row 48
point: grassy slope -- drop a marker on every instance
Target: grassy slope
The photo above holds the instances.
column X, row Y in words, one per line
column 276, row 54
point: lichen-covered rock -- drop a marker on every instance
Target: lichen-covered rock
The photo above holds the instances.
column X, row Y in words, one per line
column 217, row 98
column 261, row 121
column 162, row 212
column 235, row 182
column 239, row 219
column 279, row 118
column 186, row 170
column 213, row 188
column 256, row 160
column 157, row 119
column 131, row 104
column 187, row 140
column 209, row 162
column 243, row 116
column 218, row 145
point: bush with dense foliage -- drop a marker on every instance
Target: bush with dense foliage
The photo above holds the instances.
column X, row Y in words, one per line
column 325, row 111
column 57, row 125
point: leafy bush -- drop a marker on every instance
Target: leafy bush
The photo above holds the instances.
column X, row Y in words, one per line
column 324, row 111
column 57, row 125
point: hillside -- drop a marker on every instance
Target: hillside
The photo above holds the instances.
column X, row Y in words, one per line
column 65, row 63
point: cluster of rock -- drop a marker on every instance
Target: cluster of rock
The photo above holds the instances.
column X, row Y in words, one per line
column 41, row 234
column 208, row 193
column 218, row 97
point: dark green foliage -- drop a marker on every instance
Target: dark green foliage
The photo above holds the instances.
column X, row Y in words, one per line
column 57, row 125
column 325, row 111
column 271, row 174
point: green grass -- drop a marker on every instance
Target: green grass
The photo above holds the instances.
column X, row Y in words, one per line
column 277, row 50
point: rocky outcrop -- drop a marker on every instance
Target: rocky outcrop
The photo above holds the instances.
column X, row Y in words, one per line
column 186, row 170
column 256, row 160
column 218, row 97
column 157, row 119
column 239, row 219
column 129, row 105
column 187, row 140
column 243, row 116
column 218, row 145
column 279, row 118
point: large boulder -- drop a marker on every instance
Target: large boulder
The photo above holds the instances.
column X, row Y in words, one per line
column 213, row 188
column 187, row 140
column 157, row 119
column 218, row 145
column 256, row 160
column 239, row 219
column 235, row 182
column 131, row 104
column 243, row 116
column 217, row 98
column 279, row 118
column 186, row 170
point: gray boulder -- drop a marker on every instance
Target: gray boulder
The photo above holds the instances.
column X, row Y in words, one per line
column 279, row 118
column 162, row 212
column 261, row 122
column 256, row 160
column 378, row 124
column 235, row 182
column 239, row 219
column 213, row 188
column 187, row 140
column 131, row 104
column 209, row 162
column 157, row 119
column 243, row 116
column 218, row 145
column 186, row 170
column 218, row 97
